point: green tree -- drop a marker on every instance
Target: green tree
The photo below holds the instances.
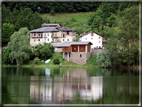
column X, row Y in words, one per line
column 37, row 50
column 7, row 30
column 104, row 58
column 19, row 43
column 5, row 56
column 46, row 50
column 77, row 38
column 124, row 40
column 6, row 14
column 111, row 20
column 52, row 12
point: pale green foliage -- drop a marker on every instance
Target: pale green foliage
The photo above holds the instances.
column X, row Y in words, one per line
column 19, row 43
column 104, row 58
column 36, row 60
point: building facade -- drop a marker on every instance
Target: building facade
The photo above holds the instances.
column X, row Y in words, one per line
column 51, row 32
column 76, row 52
column 95, row 38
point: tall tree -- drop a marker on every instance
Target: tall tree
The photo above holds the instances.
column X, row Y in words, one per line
column 19, row 43
column 7, row 30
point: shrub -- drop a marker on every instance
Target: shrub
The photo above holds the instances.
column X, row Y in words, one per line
column 56, row 61
column 52, row 12
column 36, row 60
column 104, row 58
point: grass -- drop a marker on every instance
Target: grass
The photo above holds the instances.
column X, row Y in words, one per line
column 65, row 64
column 77, row 21
column 66, row 17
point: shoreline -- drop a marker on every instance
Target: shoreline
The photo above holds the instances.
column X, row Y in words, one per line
column 72, row 66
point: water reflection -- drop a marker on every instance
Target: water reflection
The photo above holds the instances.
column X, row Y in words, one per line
column 65, row 89
column 62, row 85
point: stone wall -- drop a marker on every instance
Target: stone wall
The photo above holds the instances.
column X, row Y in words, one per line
column 75, row 57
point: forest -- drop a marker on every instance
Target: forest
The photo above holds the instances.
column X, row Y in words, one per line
column 118, row 22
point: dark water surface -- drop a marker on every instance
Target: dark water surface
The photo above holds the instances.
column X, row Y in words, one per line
column 69, row 86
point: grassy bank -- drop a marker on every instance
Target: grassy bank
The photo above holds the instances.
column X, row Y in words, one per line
column 91, row 63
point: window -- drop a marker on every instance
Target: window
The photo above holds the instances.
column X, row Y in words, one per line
column 67, row 32
column 44, row 34
column 91, row 38
column 41, row 35
column 52, row 34
column 82, row 48
column 69, row 55
column 55, row 34
column 63, row 39
column 38, row 39
column 38, row 34
column 34, row 34
column 44, row 39
column 99, row 37
column 99, row 41
column 65, row 48
column 48, row 34
column 68, row 39
column 92, row 34
column 48, row 39
column 85, row 38
column 63, row 35
column 80, row 55
column 34, row 39
column 74, row 48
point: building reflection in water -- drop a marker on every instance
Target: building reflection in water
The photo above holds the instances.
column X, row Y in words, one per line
column 60, row 90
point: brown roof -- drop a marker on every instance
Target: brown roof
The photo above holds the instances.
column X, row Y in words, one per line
column 90, row 32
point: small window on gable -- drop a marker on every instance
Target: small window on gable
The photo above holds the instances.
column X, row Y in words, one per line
column 99, row 37
column 92, row 34
column 80, row 55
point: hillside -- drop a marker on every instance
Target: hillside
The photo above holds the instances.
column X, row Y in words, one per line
column 77, row 21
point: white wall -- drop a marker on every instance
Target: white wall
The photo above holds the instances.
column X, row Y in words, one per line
column 47, row 37
column 93, row 39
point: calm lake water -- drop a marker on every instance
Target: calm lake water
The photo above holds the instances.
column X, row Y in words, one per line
column 69, row 86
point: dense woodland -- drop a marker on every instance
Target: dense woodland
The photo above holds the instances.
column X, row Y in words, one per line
column 118, row 22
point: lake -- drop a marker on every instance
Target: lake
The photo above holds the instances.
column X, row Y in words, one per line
column 69, row 86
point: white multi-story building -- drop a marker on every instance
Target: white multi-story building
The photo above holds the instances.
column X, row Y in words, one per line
column 95, row 38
